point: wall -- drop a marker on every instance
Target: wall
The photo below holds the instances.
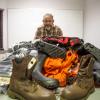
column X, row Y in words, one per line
column 25, row 23
column 92, row 22
column 32, row 4
column 3, row 5
column 57, row 4
column 21, row 4
column 91, row 12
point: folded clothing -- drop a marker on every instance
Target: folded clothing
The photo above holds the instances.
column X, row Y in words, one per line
column 64, row 41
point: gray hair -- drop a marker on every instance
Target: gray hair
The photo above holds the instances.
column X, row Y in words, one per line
column 48, row 14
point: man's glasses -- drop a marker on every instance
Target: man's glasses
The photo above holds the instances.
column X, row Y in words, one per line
column 47, row 20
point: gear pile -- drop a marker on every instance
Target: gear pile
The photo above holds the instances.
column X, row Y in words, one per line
column 41, row 67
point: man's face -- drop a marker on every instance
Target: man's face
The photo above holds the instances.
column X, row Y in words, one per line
column 48, row 21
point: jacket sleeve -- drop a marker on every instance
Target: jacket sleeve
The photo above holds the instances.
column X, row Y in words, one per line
column 38, row 34
column 59, row 32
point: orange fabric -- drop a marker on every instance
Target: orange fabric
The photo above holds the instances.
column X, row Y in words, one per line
column 61, row 69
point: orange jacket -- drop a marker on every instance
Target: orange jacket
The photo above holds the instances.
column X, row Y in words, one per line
column 61, row 69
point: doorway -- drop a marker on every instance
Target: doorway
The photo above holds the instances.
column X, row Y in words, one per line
column 1, row 29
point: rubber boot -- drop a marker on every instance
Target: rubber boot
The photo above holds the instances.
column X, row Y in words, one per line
column 38, row 76
column 50, row 49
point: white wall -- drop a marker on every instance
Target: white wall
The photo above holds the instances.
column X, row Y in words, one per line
column 54, row 4
column 23, row 23
column 24, row 4
column 76, row 5
column 92, row 22
column 3, row 5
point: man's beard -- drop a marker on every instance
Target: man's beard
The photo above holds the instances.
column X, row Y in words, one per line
column 48, row 28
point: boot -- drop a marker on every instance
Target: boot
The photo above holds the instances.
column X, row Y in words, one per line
column 22, row 88
column 38, row 76
column 84, row 84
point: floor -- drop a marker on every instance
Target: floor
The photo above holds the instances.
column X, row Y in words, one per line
column 94, row 96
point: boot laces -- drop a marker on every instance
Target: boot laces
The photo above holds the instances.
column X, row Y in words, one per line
column 81, row 78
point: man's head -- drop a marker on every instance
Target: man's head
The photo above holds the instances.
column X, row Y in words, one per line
column 48, row 20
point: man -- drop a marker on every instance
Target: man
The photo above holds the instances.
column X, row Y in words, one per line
column 48, row 28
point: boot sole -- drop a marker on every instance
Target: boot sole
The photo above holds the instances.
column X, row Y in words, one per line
column 84, row 98
column 93, row 50
column 14, row 95
column 90, row 92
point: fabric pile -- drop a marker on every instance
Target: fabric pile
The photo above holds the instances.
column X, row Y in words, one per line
column 58, row 62
column 5, row 71
column 76, row 44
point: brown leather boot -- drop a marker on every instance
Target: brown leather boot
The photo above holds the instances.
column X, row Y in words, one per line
column 84, row 84
column 24, row 89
